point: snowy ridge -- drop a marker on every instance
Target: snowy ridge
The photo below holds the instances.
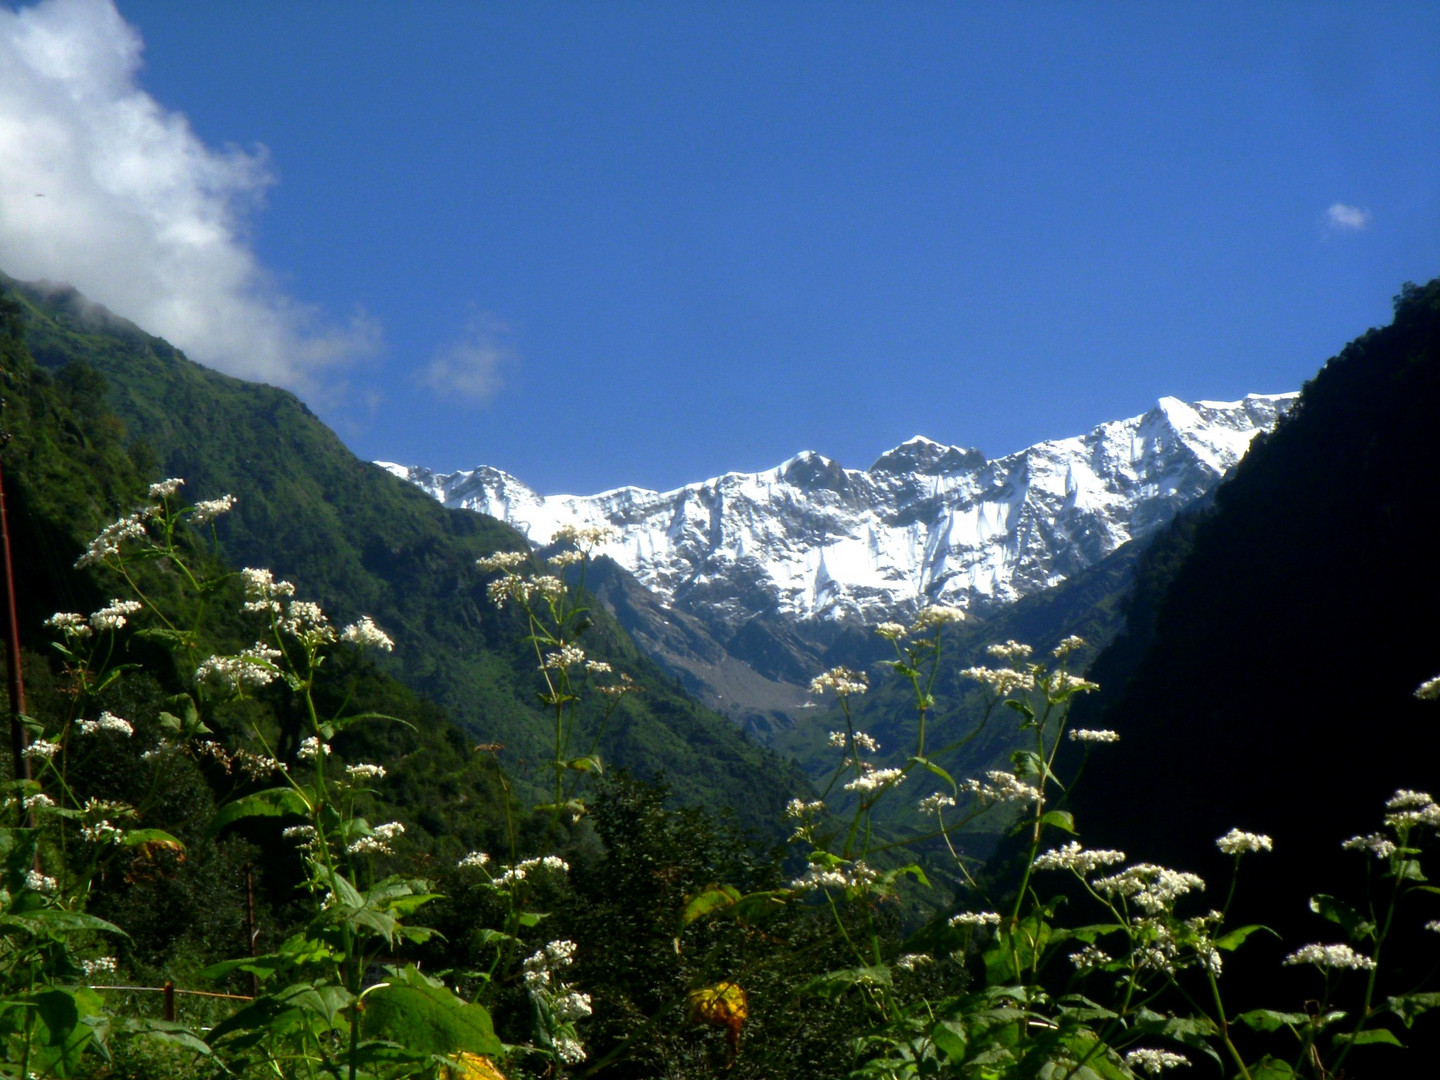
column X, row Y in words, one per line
column 926, row 523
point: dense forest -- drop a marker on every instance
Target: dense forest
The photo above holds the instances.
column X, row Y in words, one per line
column 427, row 811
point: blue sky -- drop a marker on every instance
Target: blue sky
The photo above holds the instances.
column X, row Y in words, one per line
column 608, row 243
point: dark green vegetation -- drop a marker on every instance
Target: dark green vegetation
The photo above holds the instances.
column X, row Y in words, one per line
column 361, row 542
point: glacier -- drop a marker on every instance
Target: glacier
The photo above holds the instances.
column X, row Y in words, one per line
column 926, row 523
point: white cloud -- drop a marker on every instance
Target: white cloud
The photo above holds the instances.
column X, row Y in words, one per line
column 1347, row 218
column 103, row 188
column 472, row 366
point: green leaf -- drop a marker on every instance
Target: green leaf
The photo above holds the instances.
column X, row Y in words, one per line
column 1268, row 1068
column 59, row 922
column 715, row 898
column 273, row 802
column 1235, row 938
column 1061, row 819
column 137, row 837
column 930, row 766
column 1368, row 1037
column 950, row 1039
column 1270, row 1020
column 588, row 763
column 1409, row 1006
column 834, row 983
column 422, row 1015
column 1342, row 914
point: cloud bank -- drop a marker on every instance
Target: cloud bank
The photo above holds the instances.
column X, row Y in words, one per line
column 472, row 366
column 1347, row 218
column 103, row 188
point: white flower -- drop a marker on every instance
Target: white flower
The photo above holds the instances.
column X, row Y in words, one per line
column 863, row 741
column 1002, row 787
column 1067, row 646
column 583, row 537
column 502, row 561
column 70, row 623
column 107, row 544
column 568, row 1049
column 597, row 667
column 378, row 842
column 1429, row 690
column 1062, row 682
column 877, row 778
column 101, row 965
column 566, row 656
column 1089, row 958
column 1001, row 681
column 1009, row 652
column 798, row 808
column 108, row 721
column 41, row 749
column 165, row 488
column 1236, row 842
column 936, row 616
column 1153, row 888
column 857, row 876
column 1409, row 808
column 1073, row 857
column 562, row 559
column 520, row 870
column 367, row 635
column 974, row 920
column 473, row 861
column 1153, row 1062
column 38, row 801
column 1375, row 844
column 1433, row 926
column 38, row 882
column 892, row 630
column 573, row 1006
column 911, row 961
column 312, row 748
column 933, row 804
column 102, row 832
column 207, row 510
column 305, row 834
column 113, row 616
column 249, row 669
column 840, row 679
column 1405, row 799
column 365, row 772
column 305, row 621
column 1092, row 735
column 1329, row 957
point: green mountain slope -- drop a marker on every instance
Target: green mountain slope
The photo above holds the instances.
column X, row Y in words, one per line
column 362, row 542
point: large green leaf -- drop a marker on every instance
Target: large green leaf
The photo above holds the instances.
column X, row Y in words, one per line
column 273, row 802
column 422, row 1015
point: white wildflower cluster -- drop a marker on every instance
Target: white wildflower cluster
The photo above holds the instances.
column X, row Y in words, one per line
column 102, row 832
column 311, row 749
column 307, row 623
column 934, row 804
column 1154, row 889
column 1092, row 735
column 1157, row 947
column 1433, row 926
column 249, row 669
column 626, row 685
column 597, row 667
column 862, row 741
column 892, row 630
column 567, row 656
column 872, row 779
column 113, row 615
column 911, row 961
column 1089, row 958
column 1067, row 646
column 563, row 559
column 107, row 544
column 1329, row 958
column 367, row 635
column 41, row 750
column 474, row 861
column 38, row 882
column 1074, row 857
column 974, row 920
column 582, row 536
column 547, row 587
column 566, row 1005
column 1061, row 683
column 101, row 965
column 1154, row 1062
column 1429, row 690
column 304, row 835
column 255, row 766
column 840, row 679
column 262, row 591
column 1410, row 808
column 806, row 816
column 38, row 801
column 856, row 875
column 207, row 510
column 107, row 721
column 936, row 616
column 503, row 561
column 362, row 773
column 1238, row 843
column 1001, row 787
column 1001, row 681
column 379, row 840
column 71, row 624
column 1010, row 651
column 1374, row 844
column 520, row 871
column 163, row 489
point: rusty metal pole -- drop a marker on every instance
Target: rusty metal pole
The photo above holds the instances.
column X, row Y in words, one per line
column 19, row 737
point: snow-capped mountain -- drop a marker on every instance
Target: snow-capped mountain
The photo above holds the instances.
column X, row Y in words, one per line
column 926, row 523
